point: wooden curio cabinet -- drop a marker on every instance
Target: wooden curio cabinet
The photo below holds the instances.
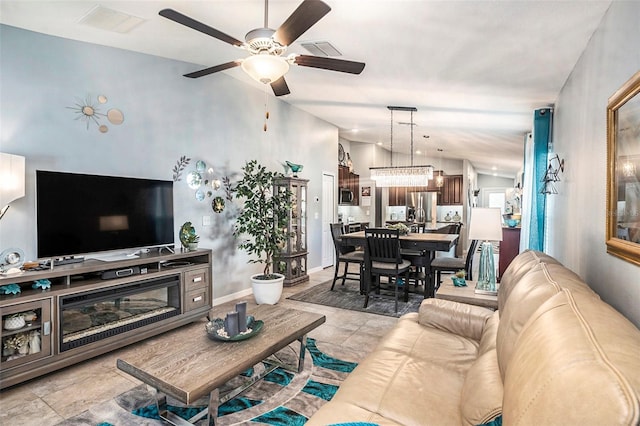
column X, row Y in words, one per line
column 292, row 262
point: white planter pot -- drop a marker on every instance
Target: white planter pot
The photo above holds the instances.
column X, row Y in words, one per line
column 267, row 292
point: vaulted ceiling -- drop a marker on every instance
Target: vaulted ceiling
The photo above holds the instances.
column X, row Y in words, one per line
column 475, row 70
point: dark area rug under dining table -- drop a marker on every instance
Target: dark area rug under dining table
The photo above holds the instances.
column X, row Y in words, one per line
column 348, row 296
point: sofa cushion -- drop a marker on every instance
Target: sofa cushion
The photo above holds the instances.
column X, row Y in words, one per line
column 481, row 399
column 575, row 363
column 391, row 388
column 438, row 347
column 541, row 283
column 459, row 318
column 519, row 267
column 489, row 334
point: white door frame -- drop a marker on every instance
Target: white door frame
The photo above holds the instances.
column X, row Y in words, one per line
column 329, row 209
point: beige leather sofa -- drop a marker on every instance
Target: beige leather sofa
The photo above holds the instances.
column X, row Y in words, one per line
column 553, row 354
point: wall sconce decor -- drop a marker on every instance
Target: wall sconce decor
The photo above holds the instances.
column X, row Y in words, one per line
column 555, row 167
column 11, row 180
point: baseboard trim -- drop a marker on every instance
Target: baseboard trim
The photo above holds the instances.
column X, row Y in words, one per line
column 228, row 298
column 316, row 269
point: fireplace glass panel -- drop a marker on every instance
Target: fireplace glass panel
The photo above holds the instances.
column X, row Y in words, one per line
column 91, row 316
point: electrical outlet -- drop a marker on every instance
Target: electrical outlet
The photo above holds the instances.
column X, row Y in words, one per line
column 206, row 220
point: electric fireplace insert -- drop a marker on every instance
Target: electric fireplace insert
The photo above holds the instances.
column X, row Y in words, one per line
column 95, row 315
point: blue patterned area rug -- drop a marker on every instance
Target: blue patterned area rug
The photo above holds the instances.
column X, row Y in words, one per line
column 282, row 398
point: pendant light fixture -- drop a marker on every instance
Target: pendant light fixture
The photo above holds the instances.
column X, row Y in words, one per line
column 410, row 176
column 440, row 178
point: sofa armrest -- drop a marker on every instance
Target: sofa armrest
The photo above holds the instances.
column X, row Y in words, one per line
column 458, row 318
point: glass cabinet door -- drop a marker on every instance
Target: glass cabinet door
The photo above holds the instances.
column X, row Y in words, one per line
column 26, row 332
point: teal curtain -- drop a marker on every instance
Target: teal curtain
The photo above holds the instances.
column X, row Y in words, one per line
column 542, row 120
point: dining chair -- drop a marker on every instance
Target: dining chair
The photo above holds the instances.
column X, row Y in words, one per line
column 383, row 258
column 346, row 254
column 454, row 264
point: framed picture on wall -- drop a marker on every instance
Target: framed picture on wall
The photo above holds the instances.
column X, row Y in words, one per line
column 623, row 172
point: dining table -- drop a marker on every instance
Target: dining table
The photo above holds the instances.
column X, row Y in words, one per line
column 427, row 243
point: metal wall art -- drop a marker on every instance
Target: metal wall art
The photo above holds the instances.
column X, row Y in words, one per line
column 90, row 112
column 552, row 175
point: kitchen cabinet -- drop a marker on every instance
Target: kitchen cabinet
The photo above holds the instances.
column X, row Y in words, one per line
column 354, row 185
column 451, row 192
column 397, row 196
column 351, row 181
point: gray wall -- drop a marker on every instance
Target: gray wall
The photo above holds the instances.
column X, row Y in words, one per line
column 577, row 214
column 489, row 181
column 216, row 119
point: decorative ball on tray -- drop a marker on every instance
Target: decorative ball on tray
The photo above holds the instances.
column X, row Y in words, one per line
column 216, row 330
column 236, row 326
column 404, row 229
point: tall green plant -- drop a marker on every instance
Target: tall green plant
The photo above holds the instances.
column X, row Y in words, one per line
column 264, row 216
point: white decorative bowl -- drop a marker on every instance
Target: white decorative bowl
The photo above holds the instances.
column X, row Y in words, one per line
column 14, row 323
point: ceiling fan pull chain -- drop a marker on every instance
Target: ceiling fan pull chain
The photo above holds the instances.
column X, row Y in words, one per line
column 266, row 108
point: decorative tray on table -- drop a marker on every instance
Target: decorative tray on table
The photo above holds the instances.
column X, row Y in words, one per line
column 215, row 330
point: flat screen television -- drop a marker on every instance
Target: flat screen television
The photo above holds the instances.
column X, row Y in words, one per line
column 81, row 214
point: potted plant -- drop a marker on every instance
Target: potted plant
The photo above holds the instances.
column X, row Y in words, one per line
column 192, row 242
column 263, row 218
column 458, row 278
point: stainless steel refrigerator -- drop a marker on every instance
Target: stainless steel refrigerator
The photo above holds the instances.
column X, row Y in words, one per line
column 422, row 205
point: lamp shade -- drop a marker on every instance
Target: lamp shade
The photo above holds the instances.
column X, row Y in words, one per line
column 486, row 224
column 265, row 68
column 11, row 178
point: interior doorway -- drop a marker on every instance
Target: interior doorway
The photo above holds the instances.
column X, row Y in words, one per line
column 493, row 197
column 328, row 217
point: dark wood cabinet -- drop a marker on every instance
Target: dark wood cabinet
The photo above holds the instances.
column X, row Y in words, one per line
column 448, row 195
column 451, row 191
column 509, row 248
column 397, row 196
column 354, row 185
column 351, row 181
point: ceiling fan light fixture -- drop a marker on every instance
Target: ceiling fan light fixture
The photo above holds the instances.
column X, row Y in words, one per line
column 265, row 68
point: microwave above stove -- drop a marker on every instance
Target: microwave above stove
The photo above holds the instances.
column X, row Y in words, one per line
column 345, row 196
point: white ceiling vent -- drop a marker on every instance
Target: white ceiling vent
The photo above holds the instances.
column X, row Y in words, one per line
column 110, row 20
column 321, row 48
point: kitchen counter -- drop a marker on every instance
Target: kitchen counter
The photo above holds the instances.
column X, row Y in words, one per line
column 355, row 226
column 429, row 226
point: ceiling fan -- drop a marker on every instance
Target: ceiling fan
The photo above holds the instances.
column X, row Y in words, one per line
column 267, row 46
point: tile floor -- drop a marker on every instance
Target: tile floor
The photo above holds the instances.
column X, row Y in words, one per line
column 63, row 394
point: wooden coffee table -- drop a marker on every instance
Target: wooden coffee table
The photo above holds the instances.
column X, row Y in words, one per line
column 188, row 373
column 466, row 294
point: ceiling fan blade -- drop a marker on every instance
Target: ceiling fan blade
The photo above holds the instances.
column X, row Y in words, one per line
column 198, row 26
column 329, row 64
column 304, row 17
column 211, row 70
column 280, row 87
